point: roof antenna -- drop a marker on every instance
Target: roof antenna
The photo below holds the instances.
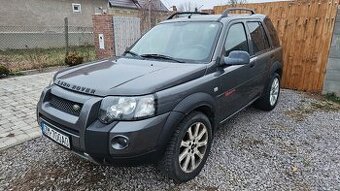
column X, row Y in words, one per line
column 196, row 11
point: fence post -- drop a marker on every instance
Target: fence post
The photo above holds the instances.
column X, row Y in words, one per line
column 149, row 14
column 66, row 35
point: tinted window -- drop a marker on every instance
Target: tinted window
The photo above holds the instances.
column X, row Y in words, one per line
column 272, row 32
column 236, row 39
column 258, row 37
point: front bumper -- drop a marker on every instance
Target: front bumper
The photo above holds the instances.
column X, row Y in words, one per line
column 97, row 141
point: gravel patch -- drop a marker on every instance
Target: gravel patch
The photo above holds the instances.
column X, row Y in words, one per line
column 294, row 147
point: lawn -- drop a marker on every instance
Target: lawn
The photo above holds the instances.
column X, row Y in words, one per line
column 27, row 59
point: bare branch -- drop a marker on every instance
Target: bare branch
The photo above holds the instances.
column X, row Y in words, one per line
column 234, row 3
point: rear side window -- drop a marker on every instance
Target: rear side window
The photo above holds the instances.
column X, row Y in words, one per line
column 259, row 39
column 236, row 39
column 272, row 32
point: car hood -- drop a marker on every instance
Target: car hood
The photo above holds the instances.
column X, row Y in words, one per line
column 126, row 76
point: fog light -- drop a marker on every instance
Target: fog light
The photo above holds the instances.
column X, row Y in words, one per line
column 119, row 142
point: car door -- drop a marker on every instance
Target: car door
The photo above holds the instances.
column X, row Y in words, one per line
column 260, row 55
column 234, row 80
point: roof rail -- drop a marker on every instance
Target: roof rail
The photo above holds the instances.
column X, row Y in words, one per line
column 226, row 12
column 186, row 13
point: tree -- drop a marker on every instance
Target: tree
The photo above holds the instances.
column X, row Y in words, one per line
column 234, row 3
column 148, row 14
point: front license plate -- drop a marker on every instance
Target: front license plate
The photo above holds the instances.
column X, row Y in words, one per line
column 55, row 135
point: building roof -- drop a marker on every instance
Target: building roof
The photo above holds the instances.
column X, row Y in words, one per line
column 134, row 4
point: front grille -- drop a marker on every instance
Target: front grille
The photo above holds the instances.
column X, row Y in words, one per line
column 67, row 106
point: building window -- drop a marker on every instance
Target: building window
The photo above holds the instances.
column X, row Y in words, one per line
column 76, row 8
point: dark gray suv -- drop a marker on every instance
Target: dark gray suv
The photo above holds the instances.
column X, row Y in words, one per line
column 163, row 100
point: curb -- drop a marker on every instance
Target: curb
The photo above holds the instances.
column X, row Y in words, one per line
column 18, row 142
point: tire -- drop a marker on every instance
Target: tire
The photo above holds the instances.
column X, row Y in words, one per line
column 171, row 165
column 265, row 103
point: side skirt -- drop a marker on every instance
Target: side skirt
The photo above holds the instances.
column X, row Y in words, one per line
column 230, row 116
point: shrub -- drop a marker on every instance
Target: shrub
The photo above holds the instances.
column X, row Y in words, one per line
column 3, row 71
column 73, row 59
column 333, row 97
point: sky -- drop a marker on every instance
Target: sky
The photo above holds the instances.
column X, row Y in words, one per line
column 206, row 4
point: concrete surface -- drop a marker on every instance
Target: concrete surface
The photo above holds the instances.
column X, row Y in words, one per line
column 332, row 78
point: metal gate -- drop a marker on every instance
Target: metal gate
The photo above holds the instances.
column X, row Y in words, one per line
column 126, row 31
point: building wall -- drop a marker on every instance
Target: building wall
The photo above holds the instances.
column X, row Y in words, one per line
column 47, row 12
column 103, row 24
column 26, row 40
column 156, row 16
column 118, row 11
column 332, row 79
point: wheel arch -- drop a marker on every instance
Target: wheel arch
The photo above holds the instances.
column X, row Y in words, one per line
column 201, row 102
column 276, row 68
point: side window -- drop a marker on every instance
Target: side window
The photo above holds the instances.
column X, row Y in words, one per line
column 259, row 39
column 236, row 39
column 272, row 32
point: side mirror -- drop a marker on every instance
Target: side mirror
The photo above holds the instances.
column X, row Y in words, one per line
column 237, row 57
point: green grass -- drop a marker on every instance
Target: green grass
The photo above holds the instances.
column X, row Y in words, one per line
column 26, row 59
column 332, row 97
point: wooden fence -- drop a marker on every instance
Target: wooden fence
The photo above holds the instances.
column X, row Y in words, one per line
column 305, row 29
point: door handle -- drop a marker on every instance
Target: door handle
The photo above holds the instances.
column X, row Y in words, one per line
column 251, row 65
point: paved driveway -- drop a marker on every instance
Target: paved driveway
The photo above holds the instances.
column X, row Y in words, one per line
column 18, row 99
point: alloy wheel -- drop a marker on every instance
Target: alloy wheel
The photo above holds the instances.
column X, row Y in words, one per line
column 274, row 91
column 193, row 147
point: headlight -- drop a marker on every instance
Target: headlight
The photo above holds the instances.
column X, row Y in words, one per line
column 126, row 108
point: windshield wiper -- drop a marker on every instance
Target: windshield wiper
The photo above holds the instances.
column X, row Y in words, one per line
column 132, row 53
column 161, row 56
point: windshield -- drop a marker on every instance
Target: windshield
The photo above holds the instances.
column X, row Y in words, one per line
column 184, row 41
